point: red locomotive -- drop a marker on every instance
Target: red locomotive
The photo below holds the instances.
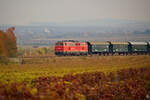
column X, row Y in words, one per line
column 71, row 47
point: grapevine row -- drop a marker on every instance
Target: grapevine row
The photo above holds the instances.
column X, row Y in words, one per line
column 127, row 84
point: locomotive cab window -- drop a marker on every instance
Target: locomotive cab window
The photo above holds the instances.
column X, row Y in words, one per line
column 56, row 44
column 59, row 44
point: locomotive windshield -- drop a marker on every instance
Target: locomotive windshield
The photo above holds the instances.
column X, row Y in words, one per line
column 59, row 44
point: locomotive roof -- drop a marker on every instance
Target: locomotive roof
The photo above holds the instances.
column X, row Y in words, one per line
column 98, row 43
column 68, row 41
column 119, row 42
column 138, row 43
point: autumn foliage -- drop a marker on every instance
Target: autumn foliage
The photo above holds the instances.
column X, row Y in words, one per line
column 129, row 84
column 8, row 46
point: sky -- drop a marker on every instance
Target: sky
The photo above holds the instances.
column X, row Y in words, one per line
column 24, row 12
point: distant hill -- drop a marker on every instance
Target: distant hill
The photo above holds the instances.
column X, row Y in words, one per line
column 47, row 33
column 94, row 23
column 147, row 31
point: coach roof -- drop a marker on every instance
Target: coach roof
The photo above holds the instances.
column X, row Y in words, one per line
column 138, row 43
column 119, row 42
column 99, row 43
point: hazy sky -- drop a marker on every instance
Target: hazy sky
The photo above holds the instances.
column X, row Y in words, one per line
column 22, row 12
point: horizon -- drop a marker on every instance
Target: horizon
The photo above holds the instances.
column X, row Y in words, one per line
column 64, row 23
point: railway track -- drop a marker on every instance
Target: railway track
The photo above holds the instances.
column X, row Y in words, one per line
column 38, row 56
column 54, row 58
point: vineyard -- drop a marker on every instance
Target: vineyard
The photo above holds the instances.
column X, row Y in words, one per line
column 130, row 84
column 77, row 78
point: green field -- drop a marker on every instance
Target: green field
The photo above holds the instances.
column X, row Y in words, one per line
column 59, row 66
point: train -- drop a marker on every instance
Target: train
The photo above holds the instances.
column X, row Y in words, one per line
column 73, row 47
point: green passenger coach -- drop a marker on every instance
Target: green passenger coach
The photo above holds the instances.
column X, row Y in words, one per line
column 148, row 48
column 139, row 47
column 100, row 47
column 120, row 47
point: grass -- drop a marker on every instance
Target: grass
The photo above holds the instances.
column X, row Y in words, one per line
column 59, row 66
